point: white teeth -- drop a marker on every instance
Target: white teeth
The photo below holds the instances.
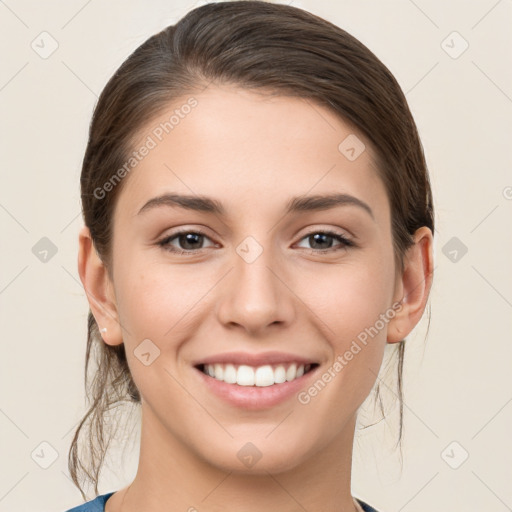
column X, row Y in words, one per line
column 279, row 375
column 261, row 376
column 264, row 376
column 219, row 370
column 229, row 374
column 245, row 376
column 291, row 373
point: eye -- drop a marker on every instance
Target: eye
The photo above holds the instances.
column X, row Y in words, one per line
column 324, row 238
column 187, row 239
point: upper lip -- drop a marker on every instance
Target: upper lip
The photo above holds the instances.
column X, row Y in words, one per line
column 260, row 359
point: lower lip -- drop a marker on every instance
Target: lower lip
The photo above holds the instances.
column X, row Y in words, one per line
column 255, row 397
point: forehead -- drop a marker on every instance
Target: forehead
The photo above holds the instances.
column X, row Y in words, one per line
column 252, row 151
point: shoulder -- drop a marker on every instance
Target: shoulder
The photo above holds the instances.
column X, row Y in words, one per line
column 366, row 507
column 98, row 505
column 95, row 505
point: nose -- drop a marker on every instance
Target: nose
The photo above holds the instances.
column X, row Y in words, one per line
column 255, row 295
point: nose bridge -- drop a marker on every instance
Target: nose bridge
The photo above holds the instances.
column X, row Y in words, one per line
column 256, row 296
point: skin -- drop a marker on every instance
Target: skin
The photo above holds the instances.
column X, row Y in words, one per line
column 252, row 153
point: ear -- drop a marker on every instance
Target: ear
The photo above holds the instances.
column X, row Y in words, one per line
column 413, row 286
column 98, row 288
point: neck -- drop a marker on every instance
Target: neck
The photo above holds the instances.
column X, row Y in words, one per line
column 172, row 476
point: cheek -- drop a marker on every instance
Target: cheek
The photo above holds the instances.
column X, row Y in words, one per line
column 165, row 304
column 351, row 318
column 153, row 302
column 153, row 310
column 354, row 312
column 349, row 298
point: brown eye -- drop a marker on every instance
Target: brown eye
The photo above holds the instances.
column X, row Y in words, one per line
column 188, row 241
column 321, row 241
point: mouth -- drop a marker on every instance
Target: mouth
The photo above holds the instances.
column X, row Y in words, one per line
column 256, row 376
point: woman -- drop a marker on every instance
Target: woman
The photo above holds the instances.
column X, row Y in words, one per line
column 258, row 229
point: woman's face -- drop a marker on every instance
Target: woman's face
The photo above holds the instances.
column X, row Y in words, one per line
column 259, row 279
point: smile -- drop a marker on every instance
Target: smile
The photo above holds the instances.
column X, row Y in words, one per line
column 260, row 376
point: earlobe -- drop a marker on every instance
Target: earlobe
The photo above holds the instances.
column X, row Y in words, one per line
column 98, row 288
column 414, row 286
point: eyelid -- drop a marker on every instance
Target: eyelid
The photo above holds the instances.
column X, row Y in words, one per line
column 339, row 236
column 345, row 241
column 165, row 240
column 333, row 230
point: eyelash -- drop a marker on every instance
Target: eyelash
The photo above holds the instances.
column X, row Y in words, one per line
column 164, row 243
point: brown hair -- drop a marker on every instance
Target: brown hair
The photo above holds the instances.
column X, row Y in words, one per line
column 254, row 45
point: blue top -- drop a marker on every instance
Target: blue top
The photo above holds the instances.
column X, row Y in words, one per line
column 95, row 505
column 98, row 505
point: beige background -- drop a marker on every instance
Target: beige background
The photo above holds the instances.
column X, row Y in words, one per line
column 458, row 384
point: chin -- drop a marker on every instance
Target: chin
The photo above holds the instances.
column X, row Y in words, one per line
column 258, row 456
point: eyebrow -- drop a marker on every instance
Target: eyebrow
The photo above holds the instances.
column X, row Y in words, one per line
column 294, row 205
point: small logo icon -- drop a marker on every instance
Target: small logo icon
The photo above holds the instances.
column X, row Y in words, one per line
column 454, row 455
column 507, row 192
column 44, row 455
column 249, row 455
column 44, row 250
column 454, row 45
column 454, row 250
column 351, row 147
column 146, row 352
column 249, row 249
column 44, row 45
